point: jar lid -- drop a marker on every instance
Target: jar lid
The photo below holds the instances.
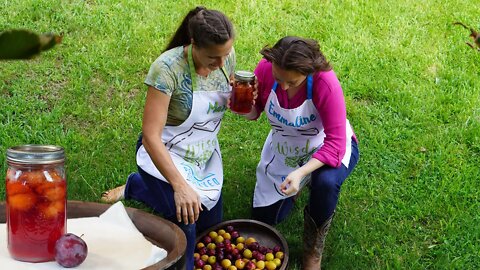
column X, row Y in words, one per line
column 36, row 154
column 243, row 75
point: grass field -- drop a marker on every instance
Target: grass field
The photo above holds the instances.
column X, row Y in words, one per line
column 411, row 84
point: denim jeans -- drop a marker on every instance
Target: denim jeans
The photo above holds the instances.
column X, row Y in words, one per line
column 158, row 195
column 325, row 187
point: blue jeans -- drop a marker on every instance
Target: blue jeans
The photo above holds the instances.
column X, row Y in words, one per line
column 324, row 193
column 158, row 195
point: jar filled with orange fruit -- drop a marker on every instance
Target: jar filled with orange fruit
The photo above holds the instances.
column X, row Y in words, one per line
column 241, row 99
column 36, row 192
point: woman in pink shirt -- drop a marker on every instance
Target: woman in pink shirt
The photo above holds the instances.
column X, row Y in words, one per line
column 311, row 141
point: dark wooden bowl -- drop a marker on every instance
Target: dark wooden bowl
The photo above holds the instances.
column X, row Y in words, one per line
column 157, row 230
column 265, row 234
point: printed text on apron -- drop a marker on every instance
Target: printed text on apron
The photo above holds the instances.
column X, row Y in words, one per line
column 295, row 136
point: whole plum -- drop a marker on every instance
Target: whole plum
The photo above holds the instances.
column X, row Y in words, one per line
column 253, row 246
column 70, row 250
column 199, row 263
column 276, row 249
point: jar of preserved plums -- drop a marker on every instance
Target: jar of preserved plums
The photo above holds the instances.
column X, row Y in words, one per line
column 242, row 93
column 36, row 192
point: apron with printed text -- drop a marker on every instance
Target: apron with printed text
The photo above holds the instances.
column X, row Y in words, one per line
column 193, row 145
column 295, row 136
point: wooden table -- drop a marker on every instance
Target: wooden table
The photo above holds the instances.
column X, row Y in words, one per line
column 157, row 230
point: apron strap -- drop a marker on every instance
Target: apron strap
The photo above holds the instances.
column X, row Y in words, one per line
column 309, row 86
column 224, row 71
column 193, row 73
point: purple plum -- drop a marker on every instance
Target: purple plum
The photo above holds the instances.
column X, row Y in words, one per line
column 70, row 250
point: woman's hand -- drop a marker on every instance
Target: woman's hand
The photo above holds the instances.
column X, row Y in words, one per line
column 255, row 91
column 291, row 184
column 187, row 204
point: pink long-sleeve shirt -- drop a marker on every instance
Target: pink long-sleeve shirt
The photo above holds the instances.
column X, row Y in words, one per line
column 328, row 99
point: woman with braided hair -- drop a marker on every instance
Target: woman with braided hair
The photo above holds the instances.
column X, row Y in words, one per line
column 180, row 173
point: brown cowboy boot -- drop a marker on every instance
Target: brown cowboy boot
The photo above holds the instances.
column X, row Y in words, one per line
column 313, row 241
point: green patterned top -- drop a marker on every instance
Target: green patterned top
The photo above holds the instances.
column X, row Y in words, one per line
column 170, row 74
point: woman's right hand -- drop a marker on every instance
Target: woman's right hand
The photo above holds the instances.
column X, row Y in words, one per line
column 187, row 204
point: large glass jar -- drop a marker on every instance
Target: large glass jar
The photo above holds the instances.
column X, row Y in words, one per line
column 36, row 201
column 241, row 100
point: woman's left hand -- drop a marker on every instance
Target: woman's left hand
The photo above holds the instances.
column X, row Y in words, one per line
column 291, row 184
column 255, row 91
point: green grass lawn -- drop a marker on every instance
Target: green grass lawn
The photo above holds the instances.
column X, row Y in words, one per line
column 411, row 84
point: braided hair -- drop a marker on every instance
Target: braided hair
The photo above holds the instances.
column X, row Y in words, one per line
column 205, row 26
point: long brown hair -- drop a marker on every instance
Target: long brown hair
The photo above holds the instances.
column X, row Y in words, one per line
column 205, row 26
column 299, row 54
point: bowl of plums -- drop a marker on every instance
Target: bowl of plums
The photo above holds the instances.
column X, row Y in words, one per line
column 241, row 244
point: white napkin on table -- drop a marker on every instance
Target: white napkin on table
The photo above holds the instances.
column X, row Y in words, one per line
column 112, row 239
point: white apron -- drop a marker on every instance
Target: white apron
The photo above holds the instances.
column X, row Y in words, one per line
column 295, row 136
column 193, row 145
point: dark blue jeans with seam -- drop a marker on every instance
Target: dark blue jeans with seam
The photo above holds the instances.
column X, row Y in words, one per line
column 158, row 195
column 324, row 193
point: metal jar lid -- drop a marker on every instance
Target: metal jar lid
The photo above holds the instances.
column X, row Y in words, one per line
column 36, row 154
column 244, row 76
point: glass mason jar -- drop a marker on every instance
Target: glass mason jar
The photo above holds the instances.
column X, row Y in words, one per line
column 36, row 201
column 242, row 93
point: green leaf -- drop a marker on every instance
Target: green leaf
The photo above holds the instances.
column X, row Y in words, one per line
column 24, row 44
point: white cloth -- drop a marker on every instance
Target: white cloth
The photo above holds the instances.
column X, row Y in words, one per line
column 112, row 239
column 295, row 136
